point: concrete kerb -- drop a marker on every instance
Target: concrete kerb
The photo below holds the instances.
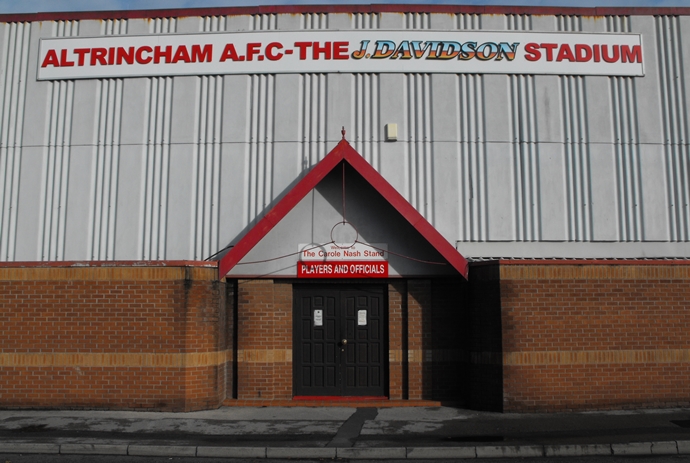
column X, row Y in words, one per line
column 411, row 453
column 231, row 452
column 93, row 449
column 577, row 450
column 510, row 451
column 383, row 453
column 7, row 447
column 161, row 451
column 683, row 447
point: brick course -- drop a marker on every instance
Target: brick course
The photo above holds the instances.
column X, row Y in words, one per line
column 149, row 337
column 519, row 336
column 588, row 336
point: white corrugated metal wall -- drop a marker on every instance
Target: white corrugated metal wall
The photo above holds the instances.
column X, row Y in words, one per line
column 514, row 166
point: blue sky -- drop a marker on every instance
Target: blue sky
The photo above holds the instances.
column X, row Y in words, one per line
column 33, row 6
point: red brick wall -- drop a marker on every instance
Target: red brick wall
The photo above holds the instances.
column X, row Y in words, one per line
column 112, row 337
column 397, row 340
column 595, row 336
column 264, row 341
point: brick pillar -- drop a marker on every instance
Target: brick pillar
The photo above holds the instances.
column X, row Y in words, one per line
column 282, row 339
column 419, row 338
column 254, row 332
column 264, row 340
column 397, row 334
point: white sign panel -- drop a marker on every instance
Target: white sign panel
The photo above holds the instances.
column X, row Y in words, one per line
column 343, row 252
column 318, row 317
column 361, row 317
column 370, row 51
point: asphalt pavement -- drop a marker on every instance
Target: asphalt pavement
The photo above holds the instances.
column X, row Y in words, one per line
column 349, row 433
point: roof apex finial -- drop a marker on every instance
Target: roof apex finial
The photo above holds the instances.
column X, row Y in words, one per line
column 343, row 132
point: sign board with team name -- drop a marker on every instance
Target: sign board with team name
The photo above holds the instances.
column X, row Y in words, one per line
column 351, row 51
column 337, row 260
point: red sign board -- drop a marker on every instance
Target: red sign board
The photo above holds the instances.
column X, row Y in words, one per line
column 346, row 269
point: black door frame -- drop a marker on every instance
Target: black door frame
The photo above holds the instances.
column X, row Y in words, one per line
column 339, row 285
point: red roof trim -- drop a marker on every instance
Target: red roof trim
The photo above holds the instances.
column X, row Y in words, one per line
column 377, row 8
column 342, row 151
column 110, row 263
column 598, row 262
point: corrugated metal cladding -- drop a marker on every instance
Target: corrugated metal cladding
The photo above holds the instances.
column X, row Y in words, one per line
column 504, row 166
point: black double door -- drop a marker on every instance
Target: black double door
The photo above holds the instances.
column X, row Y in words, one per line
column 339, row 343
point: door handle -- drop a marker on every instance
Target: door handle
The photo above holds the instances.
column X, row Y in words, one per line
column 344, row 342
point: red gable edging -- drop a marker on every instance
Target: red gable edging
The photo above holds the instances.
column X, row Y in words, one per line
column 342, row 152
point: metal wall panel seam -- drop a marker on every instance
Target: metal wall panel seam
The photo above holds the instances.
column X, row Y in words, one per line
column 465, row 21
column 315, row 117
column 206, row 164
column 322, row 118
column 418, row 116
column 255, row 178
column 106, row 168
column 165, row 169
column 247, row 188
column 366, row 116
column 533, row 146
column 518, row 174
column 12, row 130
column 462, row 106
column 314, row 21
column 375, row 122
column 625, row 123
column 6, row 153
column 203, row 205
column 365, row 21
column 585, row 200
column 417, row 20
column 682, row 138
column 674, row 125
column 64, row 127
column 481, row 184
column 143, row 243
column 418, row 100
column 114, row 170
column 666, row 88
column 313, row 89
column 429, row 202
column 198, row 158
column 472, row 162
column 97, row 168
column 577, row 158
column 56, row 160
column 201, row 162
column 360, row 112
column 407, row 136
column 526, row 176
column 269, row 115
column 412, row 110
column 679, row 143
column 156, row 158
column 261, row 143
column 622, row 193
column 308, row 96
column 214, row 243
column 635, row 164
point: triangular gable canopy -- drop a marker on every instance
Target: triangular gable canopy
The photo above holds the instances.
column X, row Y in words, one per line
column 343, row 152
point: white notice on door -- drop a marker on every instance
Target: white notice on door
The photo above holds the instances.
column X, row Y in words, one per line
column 318, row 317
column 361, row 317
